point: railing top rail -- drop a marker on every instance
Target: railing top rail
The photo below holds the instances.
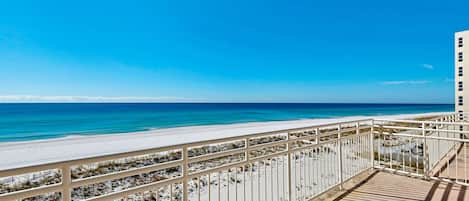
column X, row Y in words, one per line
column 428, row 137
column 420, row 122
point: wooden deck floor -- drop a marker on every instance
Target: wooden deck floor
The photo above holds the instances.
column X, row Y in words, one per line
column 458, row 166
column 381, row 186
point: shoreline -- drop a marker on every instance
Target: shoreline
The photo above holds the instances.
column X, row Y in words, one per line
column 37, row 152
column 25, row 122
column 155, row 130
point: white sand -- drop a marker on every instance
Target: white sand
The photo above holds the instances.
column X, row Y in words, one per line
column 22, row 154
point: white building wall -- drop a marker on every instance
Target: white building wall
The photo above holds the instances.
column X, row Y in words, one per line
column 461, row 82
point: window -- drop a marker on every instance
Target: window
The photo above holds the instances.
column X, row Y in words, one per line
column 460, row 42
column 460, row 100
column 460, row 86
column 460, row 56
column 460, row 71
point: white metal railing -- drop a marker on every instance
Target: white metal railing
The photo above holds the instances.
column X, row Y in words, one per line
column 294, row 164
column 429, row 149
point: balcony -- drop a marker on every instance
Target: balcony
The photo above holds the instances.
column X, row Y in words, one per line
column 368, row 159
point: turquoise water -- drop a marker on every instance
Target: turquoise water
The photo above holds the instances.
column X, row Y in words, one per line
column 22, row 122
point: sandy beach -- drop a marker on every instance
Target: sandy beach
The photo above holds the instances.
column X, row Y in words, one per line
column 21, row 154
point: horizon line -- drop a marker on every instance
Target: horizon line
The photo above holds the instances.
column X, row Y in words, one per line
column 222, row 102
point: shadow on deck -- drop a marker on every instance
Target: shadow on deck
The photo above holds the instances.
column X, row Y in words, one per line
column 382, row 186
column 457, row 167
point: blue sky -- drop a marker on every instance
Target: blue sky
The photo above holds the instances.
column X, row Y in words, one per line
column 229, row 51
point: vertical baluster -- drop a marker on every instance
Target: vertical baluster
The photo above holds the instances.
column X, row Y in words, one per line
column 219, row 186
column 299, row 181
column 316, row 168
column 379, row 144
column 271, row 180
column 252, row 181
column 259, row 180
column 465, row 163
column 290, row 194
column 295, row 176
column 456, row 159
column 308, row 172
column 247, row 158
column 356, row 145
column 372, row 153
column 278, row 178
column 417, row 157
column 402, row 157
column 283, row 177
column 320, row 169
column 244, row 182
column 339, row 169
column 228, row 185
column 334, row 163
column 209, row 183
column 265, row 179
column 330, row 165
column 311, row 172
column 323, row 168
column 171, row 193
column 198, row 187
column 341, row 179
column 157, row 197
column 185, row 190
column 236, row 183
column 358, row 148
column 425, row 153
column 352, row 143
column 361, row 147
column 327, row 168
column 438, row 144
column 390, row 150
column 337, row 161
column 357, row 136
column 304, row 174
column 363, row 151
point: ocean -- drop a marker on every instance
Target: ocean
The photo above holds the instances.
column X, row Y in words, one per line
column 34, row 121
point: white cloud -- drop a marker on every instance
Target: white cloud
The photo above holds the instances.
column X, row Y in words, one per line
column 405, row 82
column 449, row 80
column 427, row 66
column 91, row 99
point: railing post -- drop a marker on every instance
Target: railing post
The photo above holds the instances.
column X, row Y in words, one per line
column 357, row 125
column 372, row 153
column 317, row 135
column 290, row 194
column 381, row 131
column 246, row 152
column 66, row 182
column 425, row 153
column 185, row 173
column 435, row 148
column 339, row 141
